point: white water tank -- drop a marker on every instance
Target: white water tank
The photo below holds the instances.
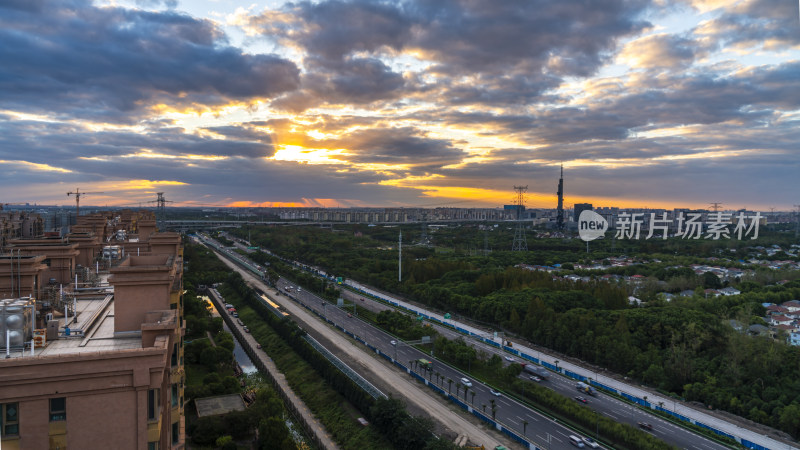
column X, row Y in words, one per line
column 16, row 321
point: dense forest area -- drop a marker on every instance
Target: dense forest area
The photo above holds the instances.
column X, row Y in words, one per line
column 686, row 347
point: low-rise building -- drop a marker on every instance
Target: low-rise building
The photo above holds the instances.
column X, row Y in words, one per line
column 108, row 372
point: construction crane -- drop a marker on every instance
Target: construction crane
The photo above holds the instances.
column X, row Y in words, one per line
column 77, row 195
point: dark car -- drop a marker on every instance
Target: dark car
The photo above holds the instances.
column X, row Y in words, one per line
column 581, row 399
column 645, row 426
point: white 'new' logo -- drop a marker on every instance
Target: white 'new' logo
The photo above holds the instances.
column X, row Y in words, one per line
column 591, row 225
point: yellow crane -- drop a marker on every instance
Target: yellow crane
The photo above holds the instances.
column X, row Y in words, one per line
column 77, row 195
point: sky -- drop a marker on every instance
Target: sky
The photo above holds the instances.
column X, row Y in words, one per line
column 406, row 103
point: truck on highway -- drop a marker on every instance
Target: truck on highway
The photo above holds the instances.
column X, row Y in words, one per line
column 537, row 371
column 585, row 388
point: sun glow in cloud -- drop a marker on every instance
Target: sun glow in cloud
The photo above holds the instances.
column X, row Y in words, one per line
column 308, row 155
column 38, row 167
column 145, row 153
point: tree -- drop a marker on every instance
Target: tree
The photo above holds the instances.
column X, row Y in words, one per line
column 386, row 413
column 790, row 419
column 711, row 281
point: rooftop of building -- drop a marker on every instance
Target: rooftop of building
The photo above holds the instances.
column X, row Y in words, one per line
column 91, row 330
column 220, row 404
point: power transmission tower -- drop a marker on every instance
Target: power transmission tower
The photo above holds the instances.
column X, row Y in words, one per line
column 161, row 209
column 520, row 244
column 715, row 206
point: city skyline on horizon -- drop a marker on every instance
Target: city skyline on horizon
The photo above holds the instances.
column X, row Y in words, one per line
column 367, row 103
column 567, row 207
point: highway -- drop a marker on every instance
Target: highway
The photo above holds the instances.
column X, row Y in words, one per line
column 508, row 411
column 609, row 406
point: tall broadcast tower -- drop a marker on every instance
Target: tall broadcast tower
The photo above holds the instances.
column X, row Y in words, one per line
column 560, row 193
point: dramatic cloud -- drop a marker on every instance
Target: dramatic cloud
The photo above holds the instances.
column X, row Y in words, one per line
column 379, row 102
column 756, row 24
column 487, row 52
column 403, row 146
column 661, row 51
column 73, row 59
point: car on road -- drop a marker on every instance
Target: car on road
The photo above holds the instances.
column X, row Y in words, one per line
column 495, row 393
column 576, row 441
column 645, row 426
column 589, row 442
column 246, row 330
column 466, row 382
column 349, row 315
column 258, row 345
column 510, row 359
column 393, row 342
column 582, row 399
column 535, row 378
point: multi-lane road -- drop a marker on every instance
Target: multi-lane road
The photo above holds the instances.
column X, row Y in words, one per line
column 512, row 414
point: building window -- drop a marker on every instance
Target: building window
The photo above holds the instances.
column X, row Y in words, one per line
column 58, row 409
column 174, row 395
column 9, row 419
column 176, row 431
column 152, row 446
column 152, row 404
column 174, row 355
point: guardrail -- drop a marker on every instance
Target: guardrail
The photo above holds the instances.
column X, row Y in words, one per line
column 344, row 368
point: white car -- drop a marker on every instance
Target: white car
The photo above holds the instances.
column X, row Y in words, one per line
column 466, row 382
column 393, row 342
column 589, row 442
column 495, row 393
column 510, row 359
